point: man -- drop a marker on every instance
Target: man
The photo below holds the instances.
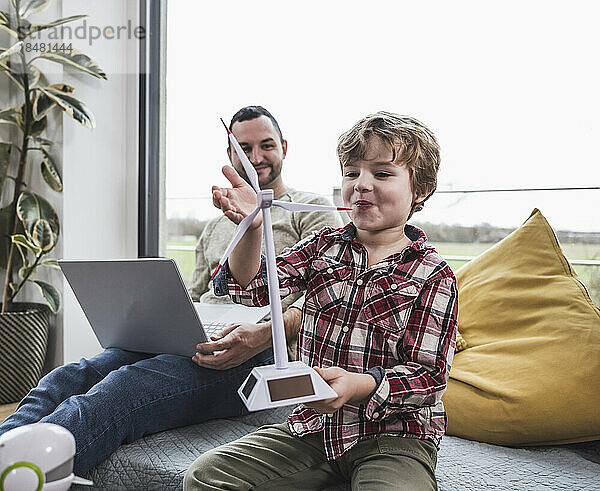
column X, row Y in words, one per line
column 259, row 135
column 119, row 396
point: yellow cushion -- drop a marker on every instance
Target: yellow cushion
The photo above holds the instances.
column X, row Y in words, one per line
column 530, row 374
column 461, row 343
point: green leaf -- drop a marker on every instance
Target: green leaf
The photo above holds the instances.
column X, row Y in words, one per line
column 40, row 27
column 75, row 59
column 5, row 239
column 8, row 23
column 38, row 127
column 29, row 7
column 5, row 27
column 16, row 73
column 31, row 208
column 42, row 236
column 7, row 53
column 34, row 75
column 21, row 240
column 22, row 253
column 50, row 262
column 50, row 172
column 5, row 149
column 42, row 104
column 39, row 141
column 72, row 106
column 15, row 77
column 26, row 270
column 63, row 88
column 50, row 294
column 11, row 116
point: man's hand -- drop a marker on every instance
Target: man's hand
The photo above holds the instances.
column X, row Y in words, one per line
column 238, row 201
column 350, row 387
column 234, row 345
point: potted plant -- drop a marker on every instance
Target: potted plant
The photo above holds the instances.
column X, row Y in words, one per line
column 29, row 225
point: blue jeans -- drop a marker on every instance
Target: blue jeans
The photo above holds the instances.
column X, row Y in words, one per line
column 119, row 396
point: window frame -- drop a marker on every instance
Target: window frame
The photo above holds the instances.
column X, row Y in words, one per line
column 151, row 126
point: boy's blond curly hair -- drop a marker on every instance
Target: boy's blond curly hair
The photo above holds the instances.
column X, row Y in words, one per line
column 411, row 142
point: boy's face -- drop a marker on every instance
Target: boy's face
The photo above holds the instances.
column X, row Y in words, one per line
column 260, row 140
column 377, row 190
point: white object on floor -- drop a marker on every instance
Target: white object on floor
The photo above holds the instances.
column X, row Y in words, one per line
column 37, row 457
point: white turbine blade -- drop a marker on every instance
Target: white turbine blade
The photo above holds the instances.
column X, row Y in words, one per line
column 287, row 205
column 239, row 233
column 248, row 167
column 81, row 481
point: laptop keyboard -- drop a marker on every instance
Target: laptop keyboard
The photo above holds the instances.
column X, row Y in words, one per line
column 211, row 328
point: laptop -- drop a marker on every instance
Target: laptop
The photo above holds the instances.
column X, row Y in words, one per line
column 143, row 305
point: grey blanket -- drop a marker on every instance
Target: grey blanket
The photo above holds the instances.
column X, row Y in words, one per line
column 160, row 461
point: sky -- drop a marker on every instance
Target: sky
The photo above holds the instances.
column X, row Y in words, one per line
column 509, row 88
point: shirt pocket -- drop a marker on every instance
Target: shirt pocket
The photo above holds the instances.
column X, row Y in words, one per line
column 389, row 301
column 328, row 283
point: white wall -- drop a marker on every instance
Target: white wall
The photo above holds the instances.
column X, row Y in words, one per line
column 100, row 165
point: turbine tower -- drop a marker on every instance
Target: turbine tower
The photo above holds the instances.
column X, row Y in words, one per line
column 284, row 382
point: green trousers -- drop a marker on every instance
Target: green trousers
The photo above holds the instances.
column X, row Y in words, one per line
column 273, row 458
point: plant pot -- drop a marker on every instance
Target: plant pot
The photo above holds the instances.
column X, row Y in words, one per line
column 23, row 342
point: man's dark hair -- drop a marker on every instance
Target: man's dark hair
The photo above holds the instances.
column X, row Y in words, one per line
column 252, row 112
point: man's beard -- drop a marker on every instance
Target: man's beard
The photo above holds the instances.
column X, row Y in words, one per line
column 270, row 177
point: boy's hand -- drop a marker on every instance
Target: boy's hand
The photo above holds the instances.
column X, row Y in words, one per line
column 238, row 201
column 350, row 387
column 234, row 345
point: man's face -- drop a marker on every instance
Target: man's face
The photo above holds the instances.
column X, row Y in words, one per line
column 262, row 144
column 377, row 190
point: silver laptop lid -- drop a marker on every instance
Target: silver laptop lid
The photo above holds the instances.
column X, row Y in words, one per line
column 136, row 304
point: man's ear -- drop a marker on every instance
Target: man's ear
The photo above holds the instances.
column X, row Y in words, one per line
column 284, row 147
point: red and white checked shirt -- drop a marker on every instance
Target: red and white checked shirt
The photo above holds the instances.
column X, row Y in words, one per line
column 396, row 320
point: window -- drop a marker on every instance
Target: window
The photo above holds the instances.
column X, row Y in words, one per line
column 509, row 91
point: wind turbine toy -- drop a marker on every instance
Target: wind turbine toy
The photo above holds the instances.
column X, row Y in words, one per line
column 284, row 382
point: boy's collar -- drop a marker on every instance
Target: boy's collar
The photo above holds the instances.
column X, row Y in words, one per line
column 415, row 234
column 349, row 233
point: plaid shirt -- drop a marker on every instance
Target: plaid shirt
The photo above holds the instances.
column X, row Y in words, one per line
column 396, row 320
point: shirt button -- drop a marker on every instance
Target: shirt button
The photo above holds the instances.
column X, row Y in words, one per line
column 359, row 282
column 394, row 286
column 329, row 270
column 345, row 328
column 375, row 415
column 329, row 415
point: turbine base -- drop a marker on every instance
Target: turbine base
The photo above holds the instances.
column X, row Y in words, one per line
column 268, row 387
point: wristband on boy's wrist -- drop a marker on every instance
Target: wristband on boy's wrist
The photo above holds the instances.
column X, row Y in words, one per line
column 377, row 373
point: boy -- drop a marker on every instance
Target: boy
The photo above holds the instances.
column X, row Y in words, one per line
column 379, row 319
